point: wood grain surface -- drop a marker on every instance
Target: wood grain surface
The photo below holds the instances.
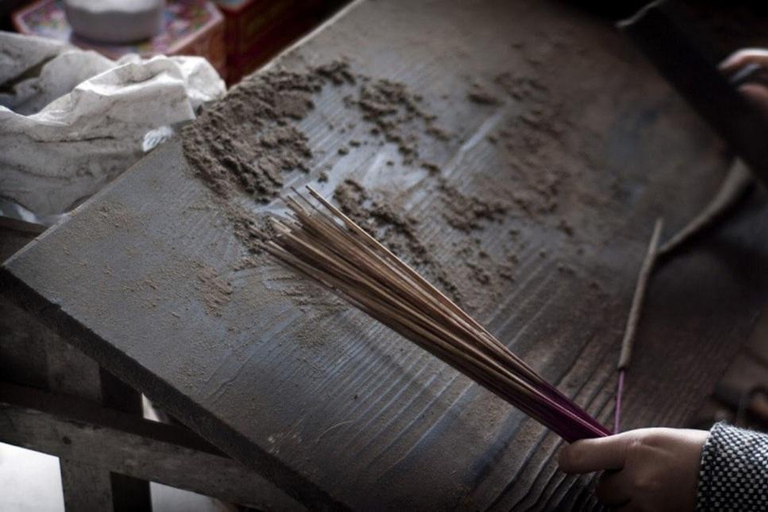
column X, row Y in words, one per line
column 335, row 409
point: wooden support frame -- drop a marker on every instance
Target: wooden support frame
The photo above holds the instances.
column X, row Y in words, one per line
column 110, row 440
column 72, row 373
column 57, row 400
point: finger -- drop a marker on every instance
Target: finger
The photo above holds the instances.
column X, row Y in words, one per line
column 590, row 455
column 743, row 57
column 613, row 489
column 757, row 95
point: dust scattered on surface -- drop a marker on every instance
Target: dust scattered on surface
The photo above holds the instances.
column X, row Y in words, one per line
column 531, row 143
column 396, row 231
column 243, row 146
column 216, row 291
column 390, row 108
column 480, row 95
column 246, row 142
column 468, row 213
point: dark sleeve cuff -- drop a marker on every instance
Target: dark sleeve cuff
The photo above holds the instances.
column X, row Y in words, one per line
column 734, row 471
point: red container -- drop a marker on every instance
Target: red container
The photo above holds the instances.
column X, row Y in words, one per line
column 257, row 30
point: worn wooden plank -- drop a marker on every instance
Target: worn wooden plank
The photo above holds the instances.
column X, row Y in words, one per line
column 334, row 408
column 99, row 441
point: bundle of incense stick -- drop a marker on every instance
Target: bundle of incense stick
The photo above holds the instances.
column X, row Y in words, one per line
column 326, row 245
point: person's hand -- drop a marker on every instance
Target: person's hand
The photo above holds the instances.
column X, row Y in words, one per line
column 648, row 470
column 756, row 92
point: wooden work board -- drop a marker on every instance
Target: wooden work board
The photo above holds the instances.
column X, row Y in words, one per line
column 147, row 277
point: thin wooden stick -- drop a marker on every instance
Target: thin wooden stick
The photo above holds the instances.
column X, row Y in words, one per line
column 734, row 188
column 628, row 342
column 326, row 245
column 619, row 398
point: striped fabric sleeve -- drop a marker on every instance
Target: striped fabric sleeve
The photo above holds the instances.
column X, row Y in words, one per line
column 734, row 471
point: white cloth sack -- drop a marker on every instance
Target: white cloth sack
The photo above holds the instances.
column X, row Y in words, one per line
column 73, row 120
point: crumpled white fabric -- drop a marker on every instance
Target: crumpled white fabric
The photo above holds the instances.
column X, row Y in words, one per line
column 55, row 155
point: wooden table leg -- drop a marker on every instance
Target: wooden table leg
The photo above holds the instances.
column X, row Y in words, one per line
column 86, row 488
column 97, row 437
column 29, row 351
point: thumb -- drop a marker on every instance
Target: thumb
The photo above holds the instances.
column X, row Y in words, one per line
column 757, row 95
column 590, row 455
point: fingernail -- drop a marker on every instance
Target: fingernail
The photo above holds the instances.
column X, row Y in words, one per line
column 746, row 74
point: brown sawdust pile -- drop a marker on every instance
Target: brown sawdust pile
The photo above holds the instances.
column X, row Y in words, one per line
column 244, row 144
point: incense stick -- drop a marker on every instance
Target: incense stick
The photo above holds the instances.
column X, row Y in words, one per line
column 735, row 186
column 628, row 342
column 321, row 242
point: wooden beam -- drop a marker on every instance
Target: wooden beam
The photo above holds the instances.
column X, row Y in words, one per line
column 86, row 488
column 72, row 373
column 32, row 355
column 109, row 440
column 128, row 494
